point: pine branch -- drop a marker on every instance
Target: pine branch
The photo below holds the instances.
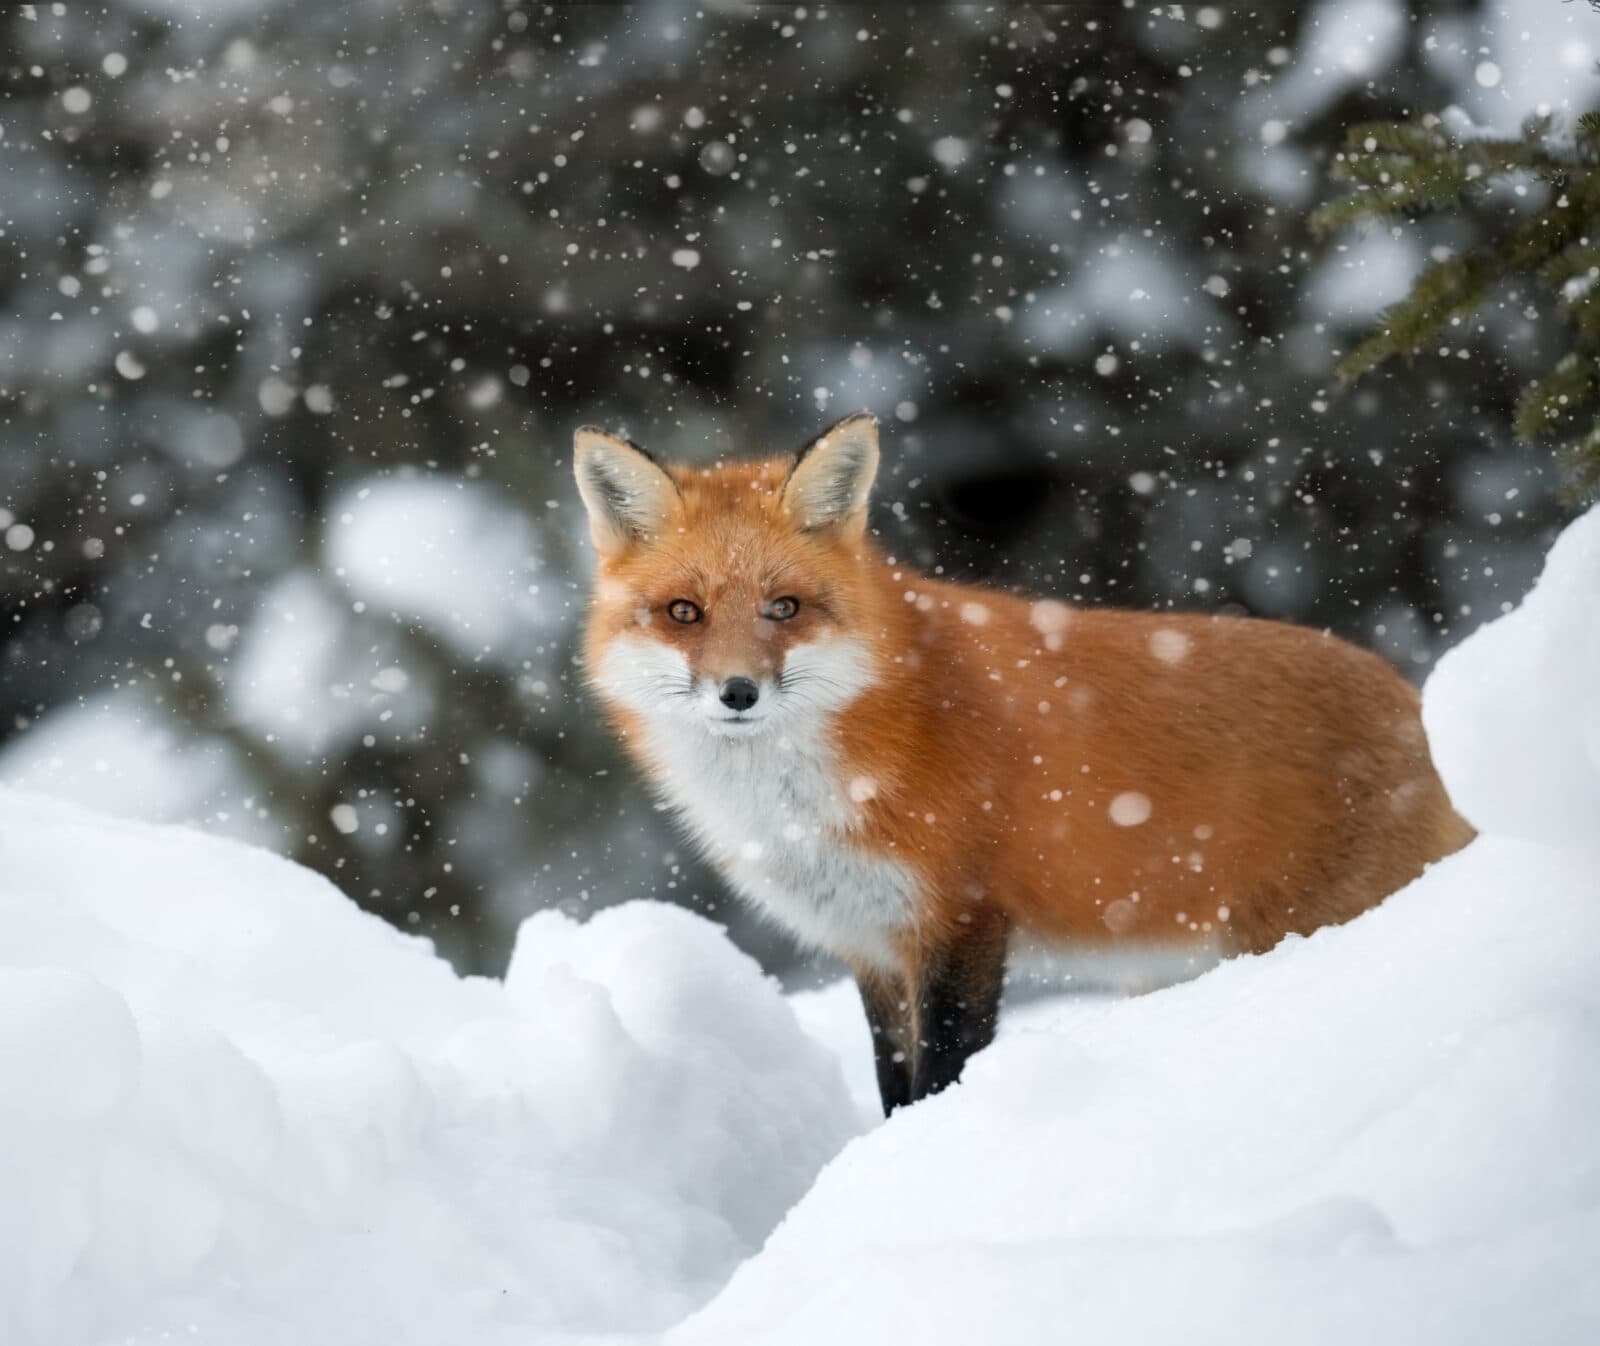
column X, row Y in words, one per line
column 1575, row 262
column 1552, row 399
column 1446, row 290
column 1581, row 459
column 1405, row 168
column 1547, row 231
column 1418, row 166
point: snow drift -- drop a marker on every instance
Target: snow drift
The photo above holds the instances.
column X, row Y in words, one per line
column 235, row 1108
column 1514, row 712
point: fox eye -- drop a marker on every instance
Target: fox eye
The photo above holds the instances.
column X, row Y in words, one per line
column 682, row 610
column 783, row 608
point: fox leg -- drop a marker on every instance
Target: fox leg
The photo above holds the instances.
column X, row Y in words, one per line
column 958, row 1001
column 888, row 1004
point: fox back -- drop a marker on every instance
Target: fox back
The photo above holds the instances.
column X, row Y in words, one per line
column 901, row 770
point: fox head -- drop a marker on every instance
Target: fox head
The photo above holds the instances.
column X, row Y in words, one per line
column 731, row 599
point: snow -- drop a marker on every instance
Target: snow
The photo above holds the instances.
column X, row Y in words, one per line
column 454, row 555
column 289, row 681
column 1133, row 293
column 1519, row 761
column 127, row 755
column 1358, row 279
column 239, row 1109
column 1541, row 59
column 1511, row 60
column 1345, row 43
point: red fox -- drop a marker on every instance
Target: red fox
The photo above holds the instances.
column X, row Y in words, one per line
column 901, row 771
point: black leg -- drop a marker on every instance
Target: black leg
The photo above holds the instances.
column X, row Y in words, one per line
column 888, row 1006
column 958, row 1006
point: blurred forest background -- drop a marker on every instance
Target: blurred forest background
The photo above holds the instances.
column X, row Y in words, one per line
column 302, row 302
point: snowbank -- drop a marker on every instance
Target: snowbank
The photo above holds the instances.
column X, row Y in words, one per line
column 1514, row 712
column 1384, row 1133
column 236, row 1108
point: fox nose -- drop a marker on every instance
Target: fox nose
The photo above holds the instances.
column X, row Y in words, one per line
column 740, row 693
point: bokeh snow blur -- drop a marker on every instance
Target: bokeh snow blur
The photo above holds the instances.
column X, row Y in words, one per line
column 302, row 303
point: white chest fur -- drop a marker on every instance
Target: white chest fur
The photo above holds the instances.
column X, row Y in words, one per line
column 772, row 814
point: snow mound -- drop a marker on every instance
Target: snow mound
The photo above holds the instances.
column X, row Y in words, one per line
column 1383, row 1133
column 1514, row 712
column 237, row 1108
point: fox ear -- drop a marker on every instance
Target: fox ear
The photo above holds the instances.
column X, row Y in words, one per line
column 829, row 483
column 628, row 496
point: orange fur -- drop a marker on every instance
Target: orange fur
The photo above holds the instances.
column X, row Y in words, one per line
column 1091, row 775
